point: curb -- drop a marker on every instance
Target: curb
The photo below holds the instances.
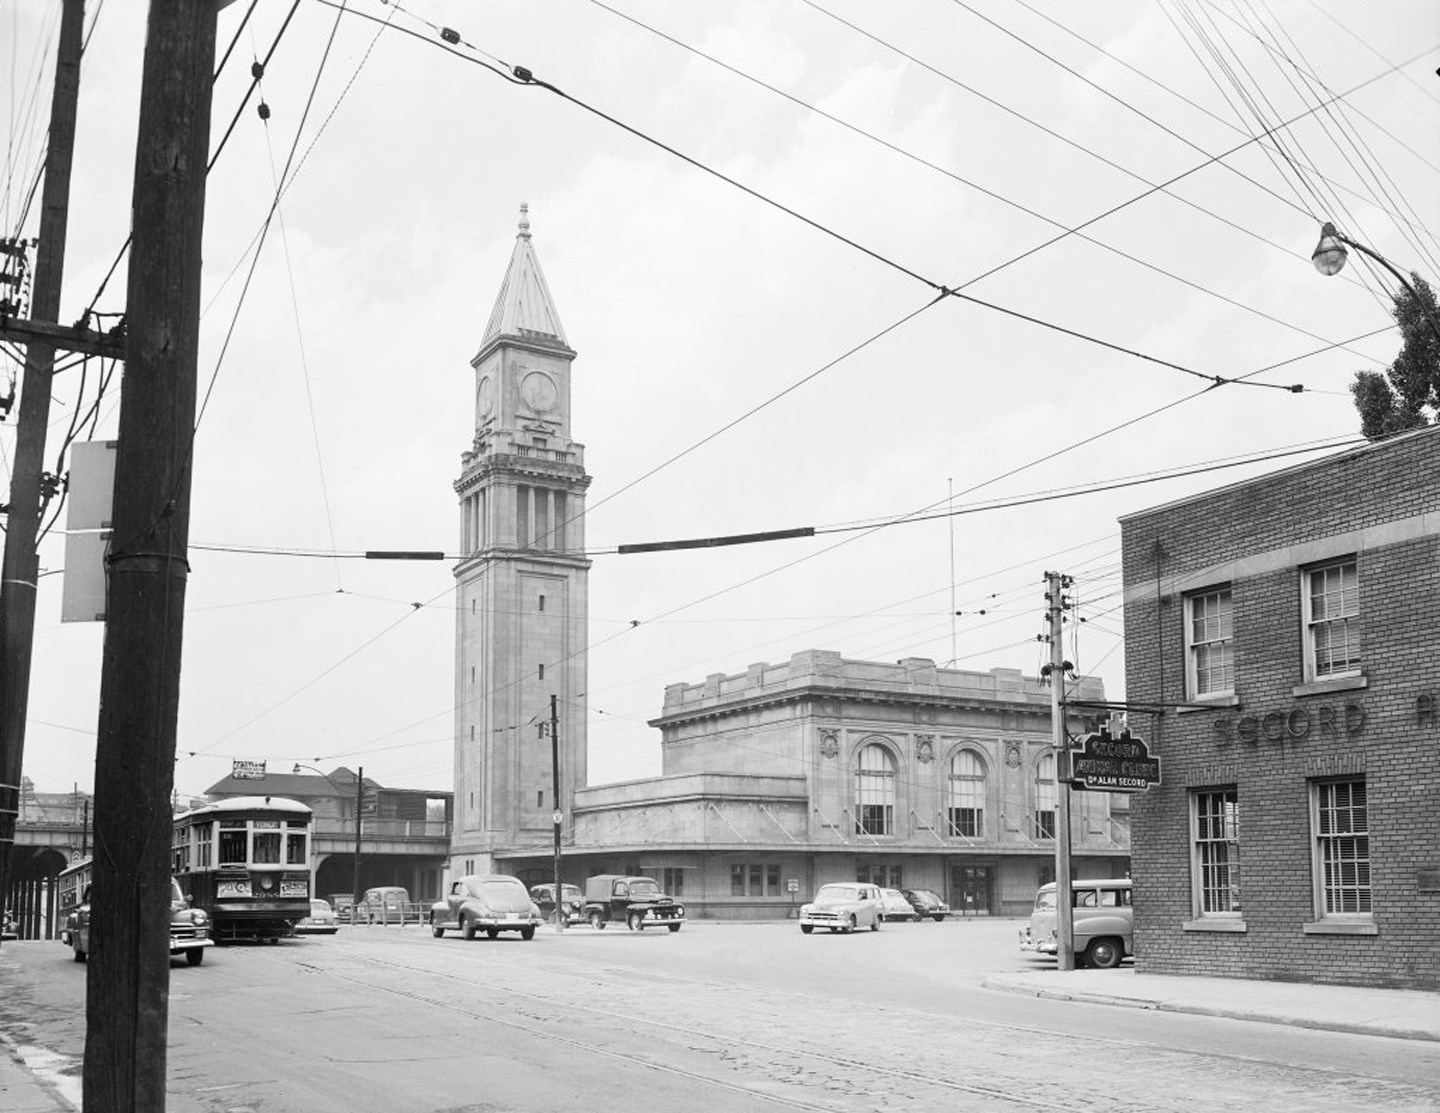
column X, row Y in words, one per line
column 1196, row 1009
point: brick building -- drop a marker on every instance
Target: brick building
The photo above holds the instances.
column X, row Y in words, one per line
column 1285, row 625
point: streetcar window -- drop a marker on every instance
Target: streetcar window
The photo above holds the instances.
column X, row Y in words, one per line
column 267, row 848
column 204, row 846
column 232, row 845
column 295, row 849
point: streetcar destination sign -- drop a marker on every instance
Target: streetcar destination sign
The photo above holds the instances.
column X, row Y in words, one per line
column 1114, row 763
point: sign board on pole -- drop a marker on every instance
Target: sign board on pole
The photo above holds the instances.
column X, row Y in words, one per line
column 1119, row 762
column 247, row 770
column 87, row 530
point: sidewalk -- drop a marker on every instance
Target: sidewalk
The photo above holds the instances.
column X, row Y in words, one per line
column 33, row 1081
column 1394, row 1013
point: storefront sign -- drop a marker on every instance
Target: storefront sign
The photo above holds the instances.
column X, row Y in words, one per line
column 1324, row 721
column 1111, row 763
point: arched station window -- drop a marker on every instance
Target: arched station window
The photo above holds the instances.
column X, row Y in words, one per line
column 875, row 791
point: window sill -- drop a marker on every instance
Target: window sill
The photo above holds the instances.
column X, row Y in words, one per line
column 1235, row 925
column 1331, row 684
column 1206, row 703
column 1340, row 927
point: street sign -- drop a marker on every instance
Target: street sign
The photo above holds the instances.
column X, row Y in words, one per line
column 247, row 770
column 792, row 884
column 1106, row 762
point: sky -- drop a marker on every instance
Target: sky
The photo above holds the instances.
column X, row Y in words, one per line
column 833, row 302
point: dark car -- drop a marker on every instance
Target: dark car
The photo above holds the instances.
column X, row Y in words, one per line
column 572, row 902
column 927, row 903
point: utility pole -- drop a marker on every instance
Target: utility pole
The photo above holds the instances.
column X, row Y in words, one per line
column 359, row 831
column 21, row 564
column 558, row 815
column 1056, row 604
column 127, row 983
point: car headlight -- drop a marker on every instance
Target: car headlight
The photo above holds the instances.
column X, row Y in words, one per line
column 198, row 916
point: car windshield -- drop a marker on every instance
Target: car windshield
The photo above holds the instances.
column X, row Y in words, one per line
column 319, row 907
column 571, row 892
column 836, row 894
column 644, row 890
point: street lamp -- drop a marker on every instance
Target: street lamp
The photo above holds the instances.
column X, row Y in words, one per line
column 1329, row 258
column 359, row 802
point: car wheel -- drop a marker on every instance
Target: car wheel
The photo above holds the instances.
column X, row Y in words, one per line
column 436, row 930
column 939, row 917
column 635, row 922
column 597, row 921
column 851, row 925
column 79, row 955
column 195, row 956
column 806, row 929
column 527, row 933
column 467, row 927
column 492, row 933
column 875, row 924
column 1103, row 954
column 673, row 928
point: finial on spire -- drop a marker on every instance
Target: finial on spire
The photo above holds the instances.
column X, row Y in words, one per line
column 524, row 220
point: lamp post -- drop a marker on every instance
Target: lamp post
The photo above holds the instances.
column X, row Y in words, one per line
column 1329, row 258
column 359, row 829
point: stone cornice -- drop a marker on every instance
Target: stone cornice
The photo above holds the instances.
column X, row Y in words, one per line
column 723, row 708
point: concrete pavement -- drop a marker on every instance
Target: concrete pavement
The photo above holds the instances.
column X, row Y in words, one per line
column 32, row 1081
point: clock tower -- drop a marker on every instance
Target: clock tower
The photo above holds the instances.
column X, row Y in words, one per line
column 521, row 582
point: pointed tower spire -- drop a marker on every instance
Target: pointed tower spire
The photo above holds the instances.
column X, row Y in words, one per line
column 524, row 308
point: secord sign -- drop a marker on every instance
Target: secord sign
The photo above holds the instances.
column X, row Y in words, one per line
column 1119, row 762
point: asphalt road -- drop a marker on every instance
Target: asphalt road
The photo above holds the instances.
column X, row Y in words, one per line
column 718, row 1017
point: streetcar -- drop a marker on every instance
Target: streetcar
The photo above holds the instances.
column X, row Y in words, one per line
column 246, row 861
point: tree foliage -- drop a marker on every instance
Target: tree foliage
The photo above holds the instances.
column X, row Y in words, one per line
column 1407, row 395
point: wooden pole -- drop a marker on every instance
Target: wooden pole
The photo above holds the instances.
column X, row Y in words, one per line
column 21, row 563
column 127, row 1006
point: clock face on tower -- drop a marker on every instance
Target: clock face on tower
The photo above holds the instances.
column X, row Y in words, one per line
column 538, row 391
column 485, row 396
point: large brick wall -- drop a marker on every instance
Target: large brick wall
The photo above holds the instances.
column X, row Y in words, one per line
column 1279, row 735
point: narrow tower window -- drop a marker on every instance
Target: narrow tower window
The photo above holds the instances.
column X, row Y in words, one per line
column 542, row 672
column 542, row 602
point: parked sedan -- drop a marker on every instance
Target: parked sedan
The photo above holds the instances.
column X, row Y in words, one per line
column 321, row 921
column 491, row 903
column 894, row 906
column 927, row 903
column 842, row 907
column 572, row 901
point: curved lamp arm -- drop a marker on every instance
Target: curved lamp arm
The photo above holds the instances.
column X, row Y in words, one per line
column 1329, row 257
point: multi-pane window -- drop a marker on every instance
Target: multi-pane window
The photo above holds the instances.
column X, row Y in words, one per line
column 967, row 795
column 1209, row 643
column 752, row 879
column 1215, row 861
column 1341, row 825
column 1332, row 620
column 875, row 791
column 673, row 880
column 233, row 839
column 886, row 877
column 1045, row 797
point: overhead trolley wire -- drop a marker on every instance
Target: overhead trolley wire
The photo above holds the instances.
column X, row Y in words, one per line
column 992, row 194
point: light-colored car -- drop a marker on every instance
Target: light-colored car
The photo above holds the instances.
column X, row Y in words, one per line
column 384, row 904
column 1104, row 922
column 321, row 920
column 927, row 902
column 491, row 903
column 894, row 906
column 842, row 906
column 189, row 928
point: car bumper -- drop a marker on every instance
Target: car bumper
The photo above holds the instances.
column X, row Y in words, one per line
column 179, row 945
column 1037, row 946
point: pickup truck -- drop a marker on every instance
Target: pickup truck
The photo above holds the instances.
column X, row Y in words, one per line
column 638, row 902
